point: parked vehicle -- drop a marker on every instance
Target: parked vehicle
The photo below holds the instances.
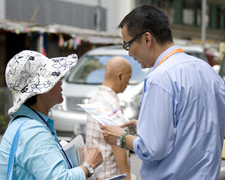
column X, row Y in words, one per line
column 82, row 82
column 222, row 75
column 222, row 68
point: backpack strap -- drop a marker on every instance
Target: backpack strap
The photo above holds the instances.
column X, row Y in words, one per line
column 13, row 150
column 19, row 116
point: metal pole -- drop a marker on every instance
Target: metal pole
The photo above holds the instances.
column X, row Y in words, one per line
column 203, row 22
column 35, row 13
column 98, row 16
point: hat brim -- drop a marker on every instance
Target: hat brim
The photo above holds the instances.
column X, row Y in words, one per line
column 43, row 80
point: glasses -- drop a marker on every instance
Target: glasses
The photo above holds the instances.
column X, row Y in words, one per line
column 126, row 46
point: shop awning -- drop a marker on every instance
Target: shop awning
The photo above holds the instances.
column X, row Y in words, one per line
column 92, row 36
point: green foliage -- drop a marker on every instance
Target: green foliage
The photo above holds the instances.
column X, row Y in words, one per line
column 3, row 124
column 3, row 119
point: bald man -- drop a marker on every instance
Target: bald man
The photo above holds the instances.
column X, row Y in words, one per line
column 116, row 160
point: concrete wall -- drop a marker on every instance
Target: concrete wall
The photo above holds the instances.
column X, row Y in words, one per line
column 116, row 10
column 2, row 9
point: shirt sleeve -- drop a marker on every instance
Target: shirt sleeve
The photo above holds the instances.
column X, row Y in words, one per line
column 37, row 153
column 156, row 128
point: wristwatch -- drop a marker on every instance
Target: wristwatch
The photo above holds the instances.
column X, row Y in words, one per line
column 119, row 140
column 89, row 169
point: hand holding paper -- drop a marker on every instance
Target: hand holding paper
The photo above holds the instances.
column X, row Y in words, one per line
column 111, row 133
column 74, row 151
column 106, row 112
column 92, row 156
column 132, row 123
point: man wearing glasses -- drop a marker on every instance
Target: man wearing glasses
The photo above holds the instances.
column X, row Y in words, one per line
column 180, row 128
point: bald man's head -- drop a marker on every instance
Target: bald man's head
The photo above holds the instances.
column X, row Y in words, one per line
column 117, row 74
column 117, row 64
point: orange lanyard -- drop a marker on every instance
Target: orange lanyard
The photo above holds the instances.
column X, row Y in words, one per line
column 170, row 54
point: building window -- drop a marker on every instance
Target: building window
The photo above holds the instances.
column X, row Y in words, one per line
column 220, row 14
column 165, row 5
column 188, row 12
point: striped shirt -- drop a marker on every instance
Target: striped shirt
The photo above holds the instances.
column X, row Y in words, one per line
column 181, row 121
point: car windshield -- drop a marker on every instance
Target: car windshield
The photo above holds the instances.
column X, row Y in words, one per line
column 91, row 70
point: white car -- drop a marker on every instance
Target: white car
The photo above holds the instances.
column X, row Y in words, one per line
column 82, row 82
column 222, row 68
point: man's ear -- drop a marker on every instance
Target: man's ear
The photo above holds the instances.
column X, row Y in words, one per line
column 120, row 75
column 148, row 37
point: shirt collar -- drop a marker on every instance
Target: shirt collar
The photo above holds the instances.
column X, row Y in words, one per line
column 26, row 111
column 164, row 54
column 106, row 88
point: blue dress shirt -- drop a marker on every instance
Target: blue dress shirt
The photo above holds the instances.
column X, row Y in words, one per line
column 38, row 154
column 181, row 121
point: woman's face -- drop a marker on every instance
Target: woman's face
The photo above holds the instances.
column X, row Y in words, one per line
column 54, row 96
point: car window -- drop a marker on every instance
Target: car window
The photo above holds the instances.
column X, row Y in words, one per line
column 198, row 55
column 91, row 70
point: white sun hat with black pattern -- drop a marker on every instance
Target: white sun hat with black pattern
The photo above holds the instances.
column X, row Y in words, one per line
column 29, row 73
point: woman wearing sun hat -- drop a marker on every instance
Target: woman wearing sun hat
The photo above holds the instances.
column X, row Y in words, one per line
column 35, row 82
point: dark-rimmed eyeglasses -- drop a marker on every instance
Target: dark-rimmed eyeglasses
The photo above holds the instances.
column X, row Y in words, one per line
column 126, row 46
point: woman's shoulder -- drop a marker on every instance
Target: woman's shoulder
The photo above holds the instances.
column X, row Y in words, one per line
column 24, row 121
column 29, row 126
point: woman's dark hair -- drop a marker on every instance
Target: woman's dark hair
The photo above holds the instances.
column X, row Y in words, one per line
column 31, row 101
column 147, row 17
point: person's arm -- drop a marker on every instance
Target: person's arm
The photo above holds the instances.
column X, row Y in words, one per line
column 156, row 127
column 85, row 170
column 91, row 156
column 129, row 142
column 111, row 133
column 156, row 123
column 121, row 161
column 37, row 153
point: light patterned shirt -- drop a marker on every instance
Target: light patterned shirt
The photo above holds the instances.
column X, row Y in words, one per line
column 94, row 135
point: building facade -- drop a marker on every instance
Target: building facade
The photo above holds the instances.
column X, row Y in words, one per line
column 186, row 18
column 62, row 27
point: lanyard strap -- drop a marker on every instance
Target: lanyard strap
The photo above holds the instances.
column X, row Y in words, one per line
column 70, row 166
column 170, row 54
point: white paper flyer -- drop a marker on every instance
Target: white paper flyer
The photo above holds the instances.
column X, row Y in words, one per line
column 106, row 112
column 73, row 150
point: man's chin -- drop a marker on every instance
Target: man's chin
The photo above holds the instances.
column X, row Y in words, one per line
column 143, row 66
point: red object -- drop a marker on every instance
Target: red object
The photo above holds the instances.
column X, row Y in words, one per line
column 44, row 52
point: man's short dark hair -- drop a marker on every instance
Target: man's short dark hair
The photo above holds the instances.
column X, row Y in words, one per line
column 147, row 17
column 31, row 101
